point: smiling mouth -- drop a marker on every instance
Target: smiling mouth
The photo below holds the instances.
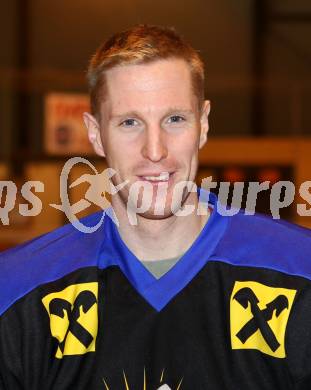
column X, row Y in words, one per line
column 157, row 178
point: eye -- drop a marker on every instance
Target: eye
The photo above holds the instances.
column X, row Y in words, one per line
column 130, row 122
column 176, row 119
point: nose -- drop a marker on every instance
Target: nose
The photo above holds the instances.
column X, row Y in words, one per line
column 155, row 145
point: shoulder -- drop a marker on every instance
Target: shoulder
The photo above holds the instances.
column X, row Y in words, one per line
column 266, row 230
column 47, row 258
column 258, row 240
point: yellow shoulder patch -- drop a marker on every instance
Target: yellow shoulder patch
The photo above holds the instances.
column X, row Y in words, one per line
column 74, row 318
column 259, row 316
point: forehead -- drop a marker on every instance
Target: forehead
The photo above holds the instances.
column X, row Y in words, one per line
column 152, row 86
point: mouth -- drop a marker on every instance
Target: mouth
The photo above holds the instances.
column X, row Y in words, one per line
column 155, row 178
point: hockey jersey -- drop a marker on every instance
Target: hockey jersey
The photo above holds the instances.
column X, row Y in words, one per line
column 80, row 311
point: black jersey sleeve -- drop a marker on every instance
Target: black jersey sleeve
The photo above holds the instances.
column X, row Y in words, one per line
column 10, row 356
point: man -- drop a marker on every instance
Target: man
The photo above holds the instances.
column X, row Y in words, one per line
column 178, row 299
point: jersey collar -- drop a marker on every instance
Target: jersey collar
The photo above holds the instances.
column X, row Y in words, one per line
column 159, row 292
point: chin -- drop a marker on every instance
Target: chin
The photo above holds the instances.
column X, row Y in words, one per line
column 149, row 204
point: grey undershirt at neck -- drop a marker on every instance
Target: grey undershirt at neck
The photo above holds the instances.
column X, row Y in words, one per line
column 160, row 267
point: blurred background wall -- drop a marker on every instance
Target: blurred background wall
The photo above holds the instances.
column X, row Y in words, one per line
column 257, row 54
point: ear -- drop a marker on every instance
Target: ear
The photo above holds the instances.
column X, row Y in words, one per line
column 93, row 130
column 204, row 123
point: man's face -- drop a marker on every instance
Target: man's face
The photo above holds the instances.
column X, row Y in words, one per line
column 150, row 130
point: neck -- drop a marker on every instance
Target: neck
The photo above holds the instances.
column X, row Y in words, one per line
column 158, row 239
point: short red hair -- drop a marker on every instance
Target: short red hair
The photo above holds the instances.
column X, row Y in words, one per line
column 141, row 44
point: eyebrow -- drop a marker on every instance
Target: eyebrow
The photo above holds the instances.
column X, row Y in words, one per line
column 126, row 114
column 170, row 110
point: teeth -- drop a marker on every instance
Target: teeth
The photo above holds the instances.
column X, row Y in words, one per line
column 162, row 177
